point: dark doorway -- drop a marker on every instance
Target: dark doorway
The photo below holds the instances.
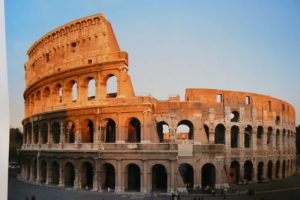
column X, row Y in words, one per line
column 69, row 175
column 109, row 172
column 208, row 175
column 134, row 178
column 248, row 170
column 187, row 174
column 43, row 172
column 159, row 178
column 270, row 170
column 260, row 171
column 54, row 173
column 277, row 169
column 235, row 136
column 234, row 172
column 134, row 131
column 110, row 131
column 87, row 176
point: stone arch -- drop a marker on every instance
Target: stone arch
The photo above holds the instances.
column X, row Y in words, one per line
column 186, row 172
column 73, row 87
column 235, row 132
column 248, row 170
column 234, row 172
column 220, row 134
column 54, row 173
column 108, row 175
column 163, row 131
column 111, row 84
column 44, row 133
column 208, row 175
column 283, row 169
column 29, row 133
column 58, row 93
column 87, row 131
column 69, row 174
column 91, row 85
column 134, row 130
column 70, row 132
column 110, row 131
column 277, row 172
column 87, row 175
column 36, row 133
column 260, row 171
column 37, row 100
column 259, row 137
column 34, row 168
column 269, row 136
column 55, row 131
column 43, row 171
column 46, row 97
column 159, row 178
column 270, row 170
column 206, row 129
column 248, row 136
column 235, row 116
column 133, row 177
column 186, row 129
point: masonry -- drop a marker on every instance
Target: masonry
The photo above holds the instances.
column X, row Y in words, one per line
column 81, row 132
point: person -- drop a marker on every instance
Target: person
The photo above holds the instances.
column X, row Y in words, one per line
column 172, row 196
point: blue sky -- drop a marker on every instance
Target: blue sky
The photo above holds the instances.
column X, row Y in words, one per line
column 245, row 45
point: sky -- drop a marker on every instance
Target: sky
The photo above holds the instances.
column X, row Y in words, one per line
column 245, row 45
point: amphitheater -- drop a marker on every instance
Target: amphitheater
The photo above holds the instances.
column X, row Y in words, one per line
column 85, row 129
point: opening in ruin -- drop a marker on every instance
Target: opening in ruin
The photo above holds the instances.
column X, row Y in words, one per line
column 159, row 178
column 219, row 98
column 277, row 138
column 283, row 107
column 87, row 176
column 185, row 130
column 283, row 138
column 70, row 134
column 270, row 170
column 69, row 175
column 109, row 176
column 163, row 131
column 234, row 172
column 28, row 167
column 208, row 175
column 29, row 134
column 277, row 120
column 87, row 131
column 134, row 131
column 133, row 178
column 91, row 88
column 112, row 87
column 55, row 132
column 283, row 169
column 47, row 57
column 259, row 137
column 260, row 171
column 110, row 131
column 270, row 135
column 248, row 170
column 44, row 133
column 235, row 136
column 248, row 100
column 187, row 174
column 34, row 169
column 235, row 116
column 206, row 129
column 46, row 97
column 220, row 134
column 270, row 106
column 38, row 100
column 74, row 92
column 248, row 136
column 43, row 172
column 73, row 46
column 58, row 93
column 277, row 169
column 36, row 133
column 54, row 173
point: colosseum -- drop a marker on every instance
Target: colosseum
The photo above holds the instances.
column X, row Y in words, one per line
column 84, row 127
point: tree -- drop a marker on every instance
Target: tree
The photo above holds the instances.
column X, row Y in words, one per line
column 15, row 143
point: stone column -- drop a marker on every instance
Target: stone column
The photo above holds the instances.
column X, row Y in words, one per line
column 96, row 176
column 38, row 178
column 172, row 178
column 144, row 186
column 61, row 174
column 77, row 184
column 212, row 134
column 119, row 185
column 49, row 140
column 62, row 133
column 48, row 178
column 227, row 137
column 254, row 138
column 242, row 136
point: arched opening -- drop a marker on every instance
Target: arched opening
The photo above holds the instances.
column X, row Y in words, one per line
column 248, row 170
column 270, row 170
column 220, row 134
column 248, row 136
column 91, row 88
column 46, row 97
column 70, row 135
column 110, row 131
column 38, row 101
column 133, row 178
column 87, row 176
column 235, row 136
column 234, row 172
column 69, row 175
column 43, row 172
column 277, row 174
column 163, row 131
column 54, row 173
column 235, row 116
column 283, row 169
column 187, row 174
column 208, row 176
column 44, row 131
column 36, row 134
column 108, row 177
column 260, row 171
column 112, row 87
column 206, row 129
column 58, row 93
column 284, row 138
column 259, row 137
column 277, row 138
column 28, row 167
column 134, row 131
column 185, row 130
column 34, row 169
column 87, row 131
column 159, row 178
column 277, row 120
column 55, row 132
column 269, row 136
column 74, row 91
column 29, row 133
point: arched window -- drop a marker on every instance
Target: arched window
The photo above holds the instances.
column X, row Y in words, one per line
column 185, row 130
column 235, row 116
column 259, row 136
column 74, row 91
column 110, row 131
column 109, row 174
column 248, row 136
column 112, row 87
column 208, row 175
column 69, row 174
column 134, row 131
column 159, row 178
column 55, row 129
column 206, row 129
column 269, row 136
column 70, row 134
column 91, row 89
column 234, row 172
column 46, row 97
column 220, row 134
column 186, row 172
column 87, row 131
column 58, row 93
column 133, row 178
column 44, row 131
column 36, row 134
column 248, row 170
column 235, row 136
column 277, row 138
column 87, row 175
column 163, row 131
column 54, row 173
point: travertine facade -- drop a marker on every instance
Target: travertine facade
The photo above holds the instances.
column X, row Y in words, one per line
column 79, row 134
